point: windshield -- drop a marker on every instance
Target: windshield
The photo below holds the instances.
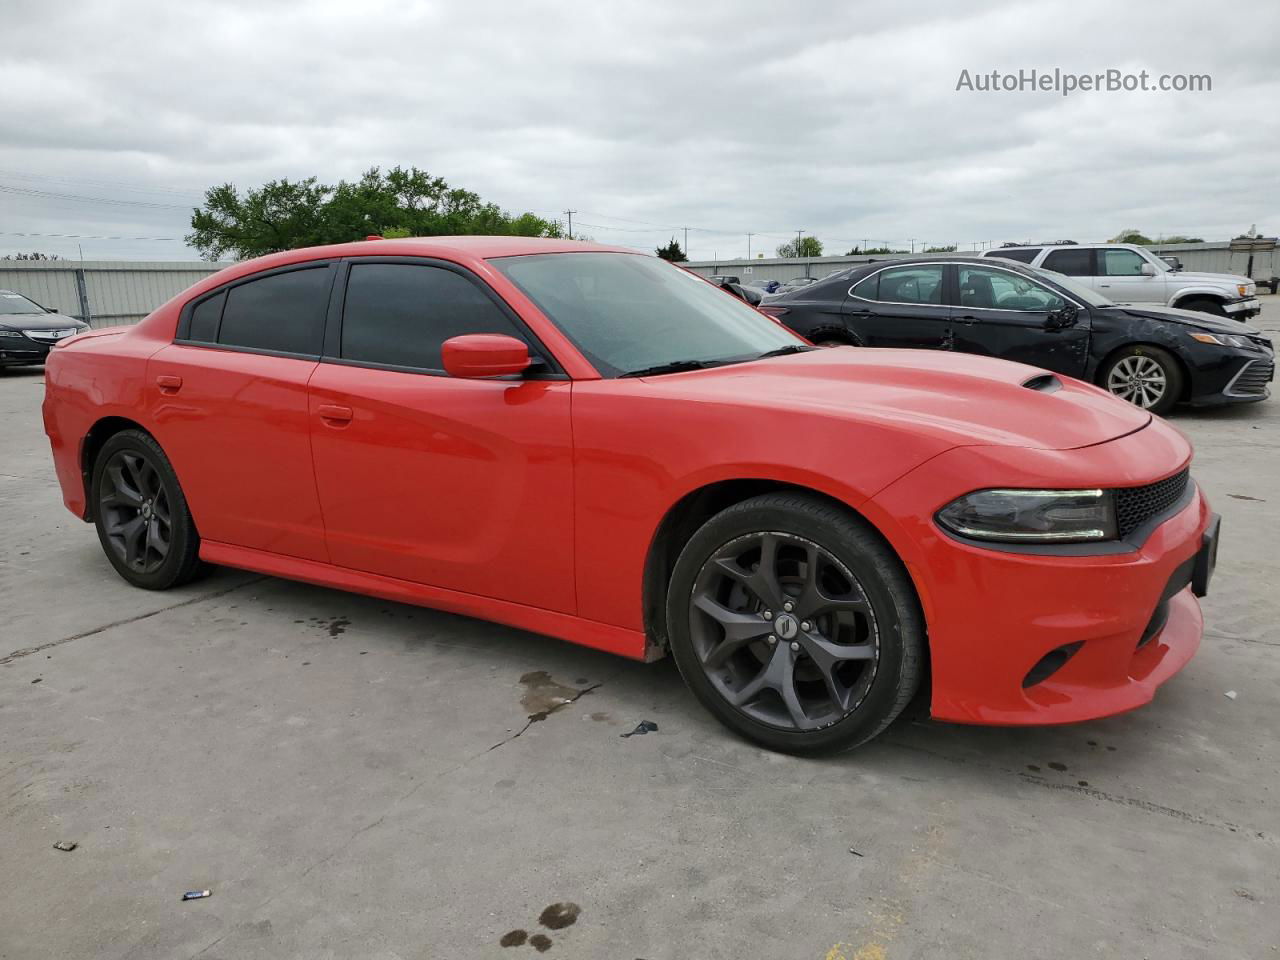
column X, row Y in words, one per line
column 1076, row 289
column 15, row 303
column 628, row 312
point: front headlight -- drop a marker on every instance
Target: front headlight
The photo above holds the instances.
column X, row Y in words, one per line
column 9, row 333
column 1032, row 516
column 1242, row 289
column 1221, row 339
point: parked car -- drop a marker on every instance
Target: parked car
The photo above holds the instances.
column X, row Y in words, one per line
column 1148, row 355
column 592, row 443
column 28, row 330
column 721, row 279
column 750, row 294
column 1127, row 273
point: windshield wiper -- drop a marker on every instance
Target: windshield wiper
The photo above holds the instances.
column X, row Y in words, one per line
column 783, row 351
column 675, row 366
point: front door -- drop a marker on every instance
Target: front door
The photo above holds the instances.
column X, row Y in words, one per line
column 461, row 484
column 999, row 313
column 900, row 307
column 1120, row 277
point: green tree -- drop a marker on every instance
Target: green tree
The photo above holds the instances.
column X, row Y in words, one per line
column 950, row 248
column 1179, row 238
column 859, row 252
column 1131, row 236
column 809, row 247
column 284, row 214
column 671, row 252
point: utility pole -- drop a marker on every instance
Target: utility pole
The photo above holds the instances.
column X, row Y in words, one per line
column 749, row 236
column 913, row 245
column 686, row 241
column 798, row 233
column 570, row 214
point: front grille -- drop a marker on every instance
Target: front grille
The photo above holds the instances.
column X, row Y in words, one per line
column 1136, row 505
column 1253, row 379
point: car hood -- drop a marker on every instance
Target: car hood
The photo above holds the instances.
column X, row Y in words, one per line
column 1224, row 279
column 1191, row 318
column 960, row 399
column 38, row 321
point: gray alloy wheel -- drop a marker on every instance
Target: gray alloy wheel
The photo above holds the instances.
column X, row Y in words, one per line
column 1147, row 377
column 135, row 511
column 1138, row 379
column 141, row 514
column 784, row 632
column 795, row 624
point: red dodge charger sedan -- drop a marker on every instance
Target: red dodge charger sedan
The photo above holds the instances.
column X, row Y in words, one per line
column 591, row 443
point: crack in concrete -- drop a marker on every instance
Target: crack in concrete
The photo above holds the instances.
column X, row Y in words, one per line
column 538, row 717
column 28, row 651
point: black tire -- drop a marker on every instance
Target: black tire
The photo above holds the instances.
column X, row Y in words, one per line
column 143, row 522
column 854, row 568
column 830, row 338
column 1204, row 305
column 1146, row 376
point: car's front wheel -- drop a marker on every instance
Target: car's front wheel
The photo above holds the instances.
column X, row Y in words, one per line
column 141, row 514
column 1146, row 376
column 795, row 624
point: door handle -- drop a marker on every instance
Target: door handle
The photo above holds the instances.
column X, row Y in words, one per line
column 331, row 413
column 168, row 383
column 967, row 318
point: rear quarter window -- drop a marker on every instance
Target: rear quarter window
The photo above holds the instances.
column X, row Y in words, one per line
column 1024, row 256
column 1071, row 263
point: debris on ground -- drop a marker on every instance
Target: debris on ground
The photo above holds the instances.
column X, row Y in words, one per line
column 560, row 915
column 540, row 942
column 645, row 726
column 1230, row 694
column 65, row 845
column 513, row 938
column 854, row 852
column 197, row 894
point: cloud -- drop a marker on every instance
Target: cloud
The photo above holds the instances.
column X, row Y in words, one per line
column 842, row 120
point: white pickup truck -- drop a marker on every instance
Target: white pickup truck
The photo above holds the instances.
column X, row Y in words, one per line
column 1125, row 273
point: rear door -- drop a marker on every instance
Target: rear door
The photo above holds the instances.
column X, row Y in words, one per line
column 1075, row 262
column 457, row 483
column 900, row 307
column 1000, row 313
column 229, row 401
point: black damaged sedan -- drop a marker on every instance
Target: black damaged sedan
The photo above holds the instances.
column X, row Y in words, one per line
column 28, row 331
column 1152, row 356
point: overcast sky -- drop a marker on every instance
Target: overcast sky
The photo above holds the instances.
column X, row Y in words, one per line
column 839, row 119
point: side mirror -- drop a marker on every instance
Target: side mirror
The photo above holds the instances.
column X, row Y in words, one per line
column 485, row 355
column 1062, row 318
column 1148, row 270
column 50, row 309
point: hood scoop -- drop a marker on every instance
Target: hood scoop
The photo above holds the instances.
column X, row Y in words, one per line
column 1043, row 383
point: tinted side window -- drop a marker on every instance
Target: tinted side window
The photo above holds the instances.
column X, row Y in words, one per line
column 911, row 285
column 868, row 289
column 400, row 314
column 205, row 318
column 1119, row 263
column 283, row 312
column 1024, row 256
column 985, row 289
column 1073, row 263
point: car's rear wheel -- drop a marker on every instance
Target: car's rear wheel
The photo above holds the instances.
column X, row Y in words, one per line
column 795, row 624
column 141, row 514
column 1146, row 376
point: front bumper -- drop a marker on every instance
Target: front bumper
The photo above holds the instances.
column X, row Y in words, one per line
column 1020, row 638
column 1243, row 308
column 17, row 351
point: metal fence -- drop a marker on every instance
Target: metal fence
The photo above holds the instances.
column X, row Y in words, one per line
column 1218, row 257
column 104, row 293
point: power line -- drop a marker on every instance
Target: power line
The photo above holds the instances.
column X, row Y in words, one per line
column 83, row 236
column 80, row 198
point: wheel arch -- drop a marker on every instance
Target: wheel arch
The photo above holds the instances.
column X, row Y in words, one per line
column 698, row 506
column 102, row 430
column 1183, row 297
column 1100, row 370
